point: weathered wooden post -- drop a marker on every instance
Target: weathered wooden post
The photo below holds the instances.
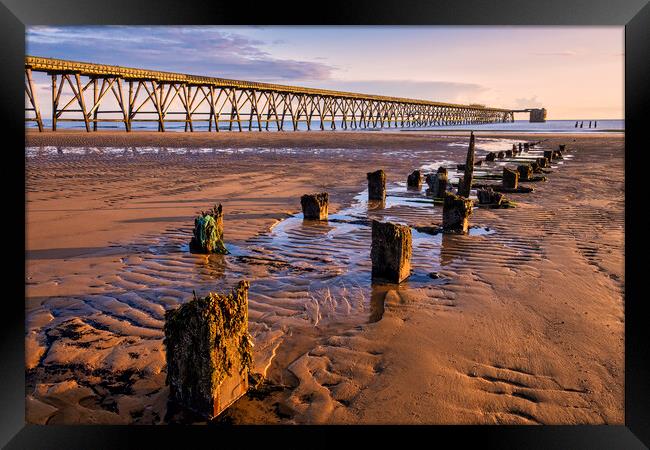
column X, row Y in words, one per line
column 525, row 172
column 520, row 148
column 456, row 212
column 487, row 196
column 514, row 149
column 543, row 162
column 501, row 155
column 465, row 185
column 414, row 179
column 508, row 153
column 490, row 157
column 526, row 146
column 510, row 178
column 315, row 206
column 208, row 232
column 562, row 147
column 437, row 183
column 209, row 351
column 376, row 185
column 548, row 154
column 391, row 251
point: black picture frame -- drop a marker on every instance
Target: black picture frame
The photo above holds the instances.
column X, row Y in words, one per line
column 633, row 14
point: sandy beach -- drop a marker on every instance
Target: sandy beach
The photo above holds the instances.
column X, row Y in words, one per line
column 522, row 323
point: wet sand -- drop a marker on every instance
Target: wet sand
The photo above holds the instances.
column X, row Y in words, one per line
column 524, row 324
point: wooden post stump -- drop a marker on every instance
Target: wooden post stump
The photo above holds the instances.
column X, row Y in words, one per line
column 314, row 206
column 501, row 155
column 562, row 147
column 487, row 196
column 208, row 232
column 414, row 179
column 543, row 162
column 456, row 212
column 514, row 149
column 376, row 185
column 209, row 351
column 526, row 146
column 548, row 154
column 490, row 157
column 525, row 172
column 508, row 153
column 510, row 178
column 437, row 183
column 520, row 148
column 466, row 185
column 391, row 251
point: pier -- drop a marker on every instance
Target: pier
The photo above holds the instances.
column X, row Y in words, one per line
column 223, row 104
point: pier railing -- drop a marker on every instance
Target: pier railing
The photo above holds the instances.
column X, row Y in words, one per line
column 138, row 95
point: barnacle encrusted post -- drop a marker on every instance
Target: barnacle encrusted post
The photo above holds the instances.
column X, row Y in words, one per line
column 209, row 351
column 456, row 211
column 376, row 185
column 391, row 251
column 510, row 178
column 466, row 185
column 315, row 206
column 414, row 180
column 208, row 232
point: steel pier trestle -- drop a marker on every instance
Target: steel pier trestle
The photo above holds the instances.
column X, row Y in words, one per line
column 223, row 104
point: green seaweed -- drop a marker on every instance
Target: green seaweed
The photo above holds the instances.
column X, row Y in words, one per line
column 208, row 232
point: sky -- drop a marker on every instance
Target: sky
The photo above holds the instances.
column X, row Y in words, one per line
column 574, row 72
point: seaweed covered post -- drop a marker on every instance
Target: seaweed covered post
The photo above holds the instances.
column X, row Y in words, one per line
column 501, row 155
column 414, row 179
column 209, row 351
column 376, row 185
column 456, row 213
column 391, row 251
column 208, row 232
column 466, row 185
column 490, row 157
column 315, row 206
column 525, row 172
column 510, row 178
column 437, row 183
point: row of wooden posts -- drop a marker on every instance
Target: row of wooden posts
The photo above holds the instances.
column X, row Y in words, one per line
column 208, row 364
